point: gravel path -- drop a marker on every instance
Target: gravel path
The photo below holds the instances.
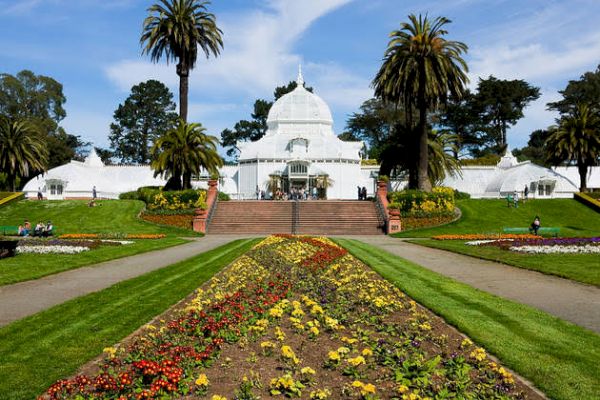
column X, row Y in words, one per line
column 566, row 299
column 22, row 299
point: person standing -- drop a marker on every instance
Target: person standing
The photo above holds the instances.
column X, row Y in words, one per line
column 516, row 199
column 257, row 193
column 525, row 193
column 364, row 193
column 40, row 196
column 359, row 192
column 94, row 193
column 535, row 225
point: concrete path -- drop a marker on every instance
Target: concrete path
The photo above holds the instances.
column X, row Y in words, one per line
column 22, row 299
column 566, row 299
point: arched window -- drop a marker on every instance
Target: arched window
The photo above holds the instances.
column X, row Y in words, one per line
column 298, row 169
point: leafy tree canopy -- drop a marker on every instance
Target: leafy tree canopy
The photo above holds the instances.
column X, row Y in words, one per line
column 39, row 100
column 145, row 115
column 254, row 129
column 500, row 104
column 584, row 90
column 535, row 151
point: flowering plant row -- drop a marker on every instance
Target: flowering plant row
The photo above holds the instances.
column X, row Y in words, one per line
column 112, row 236
column 545, row 246
column 485, row 236
column 296, row 317
column 62, row 246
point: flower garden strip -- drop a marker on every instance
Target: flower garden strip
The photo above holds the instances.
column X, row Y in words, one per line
column 296, row 317
column 63, row 246
column 112, row 236
column 544, row 246
column 484, row 236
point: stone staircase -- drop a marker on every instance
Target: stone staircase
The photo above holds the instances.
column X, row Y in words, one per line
column 251, row 216
column 330, row 217
column 338, row 217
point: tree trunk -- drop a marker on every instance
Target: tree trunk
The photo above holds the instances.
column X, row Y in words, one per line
column 583, row 170
column 423, row 163
column 187, row 180
column 184, row 72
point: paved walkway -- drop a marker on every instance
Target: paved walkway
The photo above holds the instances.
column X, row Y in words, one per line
column 566, row 299
column 22, row 299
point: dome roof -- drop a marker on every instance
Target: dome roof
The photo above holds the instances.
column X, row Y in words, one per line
column 301, row 106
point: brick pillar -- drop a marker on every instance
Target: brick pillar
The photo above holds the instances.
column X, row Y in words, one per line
column 394, row 222
column 199, row 223
column 200, row 217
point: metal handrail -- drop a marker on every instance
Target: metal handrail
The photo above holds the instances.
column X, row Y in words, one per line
column 382, row 214
column 211, row 212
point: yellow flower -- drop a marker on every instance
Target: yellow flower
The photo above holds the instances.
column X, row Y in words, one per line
column 110, row 351
column 279, row 334
column 202, row 380
column 357, row 384
column 367, row 352
column 369, row 388
column 316, row 309
column 287, row 352
column 334, row 356
column 402, row 389
column 320, row 394
column 466, row 343
column 307, row 371
column 478, row 354
column 217, row 397
column 356, row 361
column 267, row 344
column 314, row 330
column 343, row 350
column 349, row 340
column 275, row 312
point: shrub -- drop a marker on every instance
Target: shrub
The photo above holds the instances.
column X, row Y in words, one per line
column 416, row 203
column 129, row 195
column 178, row 200
column 224, row 196
column 461, row 195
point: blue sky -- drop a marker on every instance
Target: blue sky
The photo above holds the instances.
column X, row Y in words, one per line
column 92, row 48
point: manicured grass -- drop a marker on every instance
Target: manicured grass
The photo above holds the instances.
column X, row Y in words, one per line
column 578, row 267
column 558, row 357
column 490, row 216
column 74, row 216
column 38, row 350
column 25, row 267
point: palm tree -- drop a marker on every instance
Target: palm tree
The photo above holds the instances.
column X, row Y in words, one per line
column 21, row 150
column 182, row 152
column 442, row 146
column 577, row 139
column 175, row 29
column 422, row 69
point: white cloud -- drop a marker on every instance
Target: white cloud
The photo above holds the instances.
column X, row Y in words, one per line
column 18, row 7
column 258, row 53
column 536, row 61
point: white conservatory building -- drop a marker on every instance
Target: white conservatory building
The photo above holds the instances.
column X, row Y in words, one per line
column 299, row 151
column 510, row 175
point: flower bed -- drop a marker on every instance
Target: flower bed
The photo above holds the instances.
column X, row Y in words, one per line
column 544, row 246
column 485, row 236
column 295, row 317
column 112, row 236
column 179, row 220
column 63, row 246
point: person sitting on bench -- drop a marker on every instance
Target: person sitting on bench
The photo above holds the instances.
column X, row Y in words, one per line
column 535, row 225
column 39, row 229
column 49, row 229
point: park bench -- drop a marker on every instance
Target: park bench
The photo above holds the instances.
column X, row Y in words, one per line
column 542, row 231
column 6, row 230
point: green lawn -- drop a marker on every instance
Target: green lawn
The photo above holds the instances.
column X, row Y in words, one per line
column 490, row 216
column 578, row 267
column 558, row 357
column 38, row 350
column 24, row 267
column 74, row 216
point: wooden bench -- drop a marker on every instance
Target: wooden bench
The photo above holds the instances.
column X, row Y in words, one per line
column 6, row 230
column 542, row 231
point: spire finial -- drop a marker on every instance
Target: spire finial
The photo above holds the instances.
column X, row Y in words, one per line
column 300, row 80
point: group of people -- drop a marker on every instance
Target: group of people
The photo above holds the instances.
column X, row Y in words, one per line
column 41, row 229
column 362, row 193
column 294, row 194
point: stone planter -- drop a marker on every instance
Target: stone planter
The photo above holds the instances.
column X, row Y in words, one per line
column 394, row 223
